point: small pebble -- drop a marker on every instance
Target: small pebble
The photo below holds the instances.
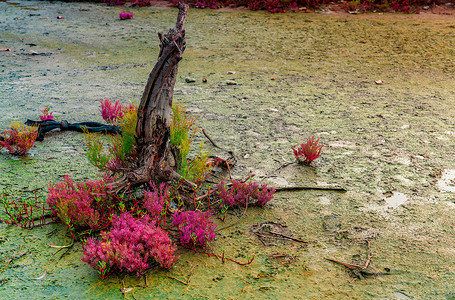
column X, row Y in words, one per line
column 230, row 72
column 231, row 82
column 204, row 79
column 190, row 80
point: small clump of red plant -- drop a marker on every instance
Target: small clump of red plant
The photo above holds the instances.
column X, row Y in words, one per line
column 306, row 153
column 18, row 139
column 156, row 198
column 113, row 112
column 125, row 15
column 244, row 194
column 47, row 114
column 195, row 227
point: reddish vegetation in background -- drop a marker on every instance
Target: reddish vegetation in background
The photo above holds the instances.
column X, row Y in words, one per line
column 125, row 15
column 273, row 6
column 283, row 6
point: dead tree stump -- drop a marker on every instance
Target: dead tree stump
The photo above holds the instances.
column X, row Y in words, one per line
column 155, row 158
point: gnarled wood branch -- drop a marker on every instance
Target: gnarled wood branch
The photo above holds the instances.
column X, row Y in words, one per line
column 154, row 112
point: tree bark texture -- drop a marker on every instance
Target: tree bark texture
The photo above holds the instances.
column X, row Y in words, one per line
column 154, row 112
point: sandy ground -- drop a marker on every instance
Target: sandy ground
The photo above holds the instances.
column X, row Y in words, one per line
column 390, row 146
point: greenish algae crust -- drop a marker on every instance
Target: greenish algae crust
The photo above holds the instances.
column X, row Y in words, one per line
column 379, row 139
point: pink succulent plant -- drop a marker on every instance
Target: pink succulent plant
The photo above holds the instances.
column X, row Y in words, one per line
column 131, row 245
column 47, row 115
column 241, row 194
column 155, row 199
column 195, row 227
column 125, row 15
column 111, row 112
column 306, row 153
column 80, row 204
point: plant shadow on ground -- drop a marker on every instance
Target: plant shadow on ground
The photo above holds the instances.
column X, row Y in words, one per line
column 389, row 145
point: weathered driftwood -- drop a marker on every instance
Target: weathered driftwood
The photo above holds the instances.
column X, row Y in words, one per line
column 155, row 160
column 49, row 125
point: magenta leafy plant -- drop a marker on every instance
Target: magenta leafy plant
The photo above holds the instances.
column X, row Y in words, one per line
column 131, row 245
column 113, row 112
column 47, row 114
column 82, row 205
column 125, row 15
column 243, row 194
column 114, row 2
column 195, row 228
column 155, row 200
column 306, row 153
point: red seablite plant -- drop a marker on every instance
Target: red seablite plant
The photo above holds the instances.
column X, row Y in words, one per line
column 195, row 227
column 113, row 112
column 130, row 245
column 46, row 114
column 242, row 194
column 308, row 152
column 273, row 6
column 27, row 214
column 18, row 139
column 81, row 205
column 155, row 200
column 125, row 15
